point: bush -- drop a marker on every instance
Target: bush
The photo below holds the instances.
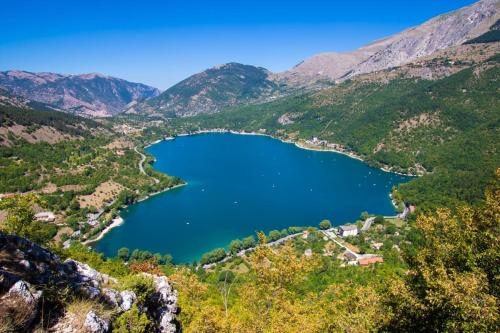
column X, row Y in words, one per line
column 248, row 242
column 131, row 322
column 325, row 224
column 235, row 246
column 213, row 256
column 274, row 235
column 142, row 286
column 123, row 253
column 227, row 276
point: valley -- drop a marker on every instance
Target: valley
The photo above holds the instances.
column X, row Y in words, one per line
column 356, row 191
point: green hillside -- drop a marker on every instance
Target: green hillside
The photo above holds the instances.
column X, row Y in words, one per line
column 213, row 89
column 449, row 127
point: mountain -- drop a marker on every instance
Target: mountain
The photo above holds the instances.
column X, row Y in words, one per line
column 93, row 95
column 438, row 33
column 33, row 122
column 235, row 84
column 437, row 116
column 212, row 90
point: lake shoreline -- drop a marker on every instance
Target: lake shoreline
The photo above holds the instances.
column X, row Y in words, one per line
column 298, row 143
column 110, row 242
column 121, row 219
column 118, row 221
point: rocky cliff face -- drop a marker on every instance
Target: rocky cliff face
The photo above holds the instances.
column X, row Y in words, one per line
column 439, row 33
column 212, row 90
column 34, row 284
column 87, row 94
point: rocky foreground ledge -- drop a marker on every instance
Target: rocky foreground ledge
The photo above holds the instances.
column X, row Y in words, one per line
column 30, row 276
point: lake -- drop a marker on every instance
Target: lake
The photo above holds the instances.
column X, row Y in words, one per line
column 240, row 184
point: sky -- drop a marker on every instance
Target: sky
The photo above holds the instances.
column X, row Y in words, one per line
column 162, row 42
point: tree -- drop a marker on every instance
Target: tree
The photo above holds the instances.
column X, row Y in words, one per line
column 226, row 281
column 235, row 246
column 21, row 219
column 364, row 216
column 452, row 284
column 325, row 224
column 274, row 235
column 213, row 256
column 20, row 214
column 168, row 259
column 379, row 219
column 132, row 321
column 391, row 229
column 123, row 253
column 248, row 242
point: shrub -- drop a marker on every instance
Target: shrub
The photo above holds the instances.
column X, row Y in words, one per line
column 235, row 246
column 248, row 242
column 213, row 256
column 131, row 322
column 142, row 286
column 274, row 235
column 325, row 224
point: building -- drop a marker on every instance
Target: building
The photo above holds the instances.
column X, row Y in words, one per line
column 348, row 230
column 45, row 217
column 377, row 246
column 369, row 260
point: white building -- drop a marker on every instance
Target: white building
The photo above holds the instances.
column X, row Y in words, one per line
column 45, row 217
column 348, row 230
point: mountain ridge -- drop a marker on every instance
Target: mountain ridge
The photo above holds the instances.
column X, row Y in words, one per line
column 92, row 94
column 435, row 34
column 213, row 89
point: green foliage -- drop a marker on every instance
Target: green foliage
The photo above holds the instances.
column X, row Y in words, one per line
column 35, row 118
column 79, row 252
column 452, row 285
column 20, row 219
column 123, row 253
column 491, row 36
column 226, row 276
column 454, row 135
column 325, row 224
column 132, row 321
column 235, row 246
column 248, row 242
column 213, row 256
column 143, row 286
column 274, row 235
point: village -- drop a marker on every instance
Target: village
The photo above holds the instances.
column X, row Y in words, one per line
column 364, row 243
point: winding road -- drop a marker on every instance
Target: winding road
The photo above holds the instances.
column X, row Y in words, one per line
column 141, row 165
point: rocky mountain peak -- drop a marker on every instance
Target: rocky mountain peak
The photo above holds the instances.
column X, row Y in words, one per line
column 436, row 34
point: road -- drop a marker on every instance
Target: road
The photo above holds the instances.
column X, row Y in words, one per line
column 330, row 234
column 243, row 252
column 368, row 223
column 141, row 165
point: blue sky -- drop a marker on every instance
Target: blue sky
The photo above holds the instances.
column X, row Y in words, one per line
column 162, row 42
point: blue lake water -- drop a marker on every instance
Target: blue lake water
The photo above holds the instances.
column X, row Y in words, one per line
column 238, row 185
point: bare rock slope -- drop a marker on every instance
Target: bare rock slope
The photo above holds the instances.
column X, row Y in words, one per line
column 438, row 33
column 87, row 94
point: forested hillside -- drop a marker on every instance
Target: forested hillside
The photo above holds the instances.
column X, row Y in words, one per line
column 213, row 89
column 77, row 166
column 446, row 128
